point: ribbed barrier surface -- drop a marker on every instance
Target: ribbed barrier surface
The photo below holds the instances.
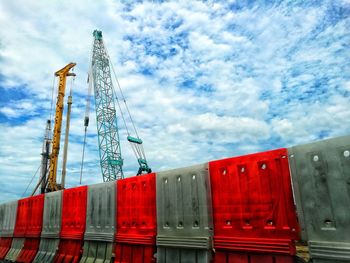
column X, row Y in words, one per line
column 22, row 219
column 136, row 219
column 34, row 217
column 237, row 257
column 27, row 229
column 52, row 215
column 16, row 248
column 253, row 206
column 73, row 224
column 47, row 250
column 5, row 244
column 184, row 215
column 19, row 230
column 29, row 250
column 100, row 223
column 69, row 251
column 7, row 224
column 51, row 227
column 321, row 177
column 8, row 213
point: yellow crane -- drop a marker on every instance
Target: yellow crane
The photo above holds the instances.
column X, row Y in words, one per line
column 62, row 74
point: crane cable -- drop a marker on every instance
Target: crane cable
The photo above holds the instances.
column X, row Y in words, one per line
column 31, row 180
column 52, row 97
column 122, row 97
column 137, row 149
column 86, row 123
column 87, row 111
column 50, row 114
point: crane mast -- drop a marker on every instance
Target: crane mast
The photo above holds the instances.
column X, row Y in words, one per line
column 65, row 149
column 100, row 78
column 45, row 156
column 62, row 74
column 111, row 161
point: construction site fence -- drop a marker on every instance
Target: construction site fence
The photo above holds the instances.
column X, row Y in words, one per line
column 280, row 206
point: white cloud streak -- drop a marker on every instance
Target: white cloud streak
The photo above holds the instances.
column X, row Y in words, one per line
column 203, row 80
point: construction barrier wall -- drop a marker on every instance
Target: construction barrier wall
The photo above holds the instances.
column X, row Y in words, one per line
column 321, row 178
column 253, row 207
column 27, row 229
column 184, row 215
column 8, row 213
column 51, row 227
column 100, row 223
column 136, row 219
column 73, row 225
column 235, row 210
column 19, row 230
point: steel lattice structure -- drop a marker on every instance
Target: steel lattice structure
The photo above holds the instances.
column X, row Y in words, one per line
column 111, row 161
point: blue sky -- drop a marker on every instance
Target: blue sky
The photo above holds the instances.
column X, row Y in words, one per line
column 203, row 80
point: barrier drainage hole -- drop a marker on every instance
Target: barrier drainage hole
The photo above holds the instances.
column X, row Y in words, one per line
column 228, row 222
column 247, row 222
column 328, row 222
column 269, row 222
column 263, row 166
column 316, row 158
column 242, row 170
column 346, row 153
column 193, row 177
column 224, row 172
column 195, row 224
column 179, row 179
column 167, row 224
column 180, row 224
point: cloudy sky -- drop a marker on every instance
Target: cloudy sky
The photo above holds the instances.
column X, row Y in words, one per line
column 203, row 80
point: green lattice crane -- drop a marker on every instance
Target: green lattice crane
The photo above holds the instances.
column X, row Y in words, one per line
column 111, row 160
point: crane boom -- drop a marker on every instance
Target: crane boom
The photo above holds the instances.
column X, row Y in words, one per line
column 111, row 161
column 62, row 74
column 99, row 77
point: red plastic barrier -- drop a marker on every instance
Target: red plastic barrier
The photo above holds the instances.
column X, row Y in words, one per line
column 69, row 251
column 253, row 207
column 29, row 250
column 74, row 213
column 136, row 218
column 73, row 225
column 29, row 219
column 134, row 253
column 29, row 222
column 5, row 245
column 222, row 257
column 35, row 216
column 21, row 219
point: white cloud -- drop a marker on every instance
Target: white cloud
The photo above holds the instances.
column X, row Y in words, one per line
column 202, row 81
